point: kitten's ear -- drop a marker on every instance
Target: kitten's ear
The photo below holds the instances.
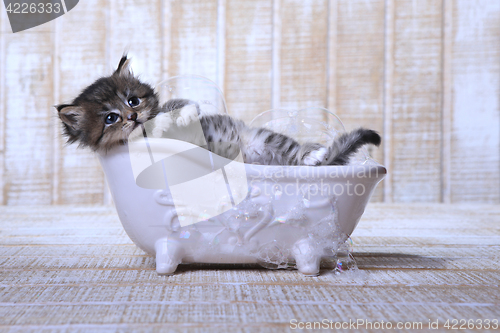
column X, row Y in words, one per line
column 123, row 67
column 70, row 114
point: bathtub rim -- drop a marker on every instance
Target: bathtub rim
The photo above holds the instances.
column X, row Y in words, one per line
column 353, row 208
column 375, row 167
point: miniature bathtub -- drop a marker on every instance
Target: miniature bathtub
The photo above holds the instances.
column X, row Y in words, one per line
column 287, row 216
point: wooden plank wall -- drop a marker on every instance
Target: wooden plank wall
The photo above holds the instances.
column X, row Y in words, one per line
column 474, row 132
column 80, row 57
column 416, row 117
column 356, row 91
column 424, row 73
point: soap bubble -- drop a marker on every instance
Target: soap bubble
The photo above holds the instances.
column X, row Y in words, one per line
column 196, row 88
column 345, row 263
column 310, row 124
column 345, row 260
column 274, row 255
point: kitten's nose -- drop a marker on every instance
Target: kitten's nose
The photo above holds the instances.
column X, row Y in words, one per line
column 132, row 116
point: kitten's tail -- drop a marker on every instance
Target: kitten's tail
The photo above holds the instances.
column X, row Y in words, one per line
column 349, row 143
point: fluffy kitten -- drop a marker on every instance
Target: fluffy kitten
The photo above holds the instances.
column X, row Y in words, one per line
column 105, row 114
column 108, row 110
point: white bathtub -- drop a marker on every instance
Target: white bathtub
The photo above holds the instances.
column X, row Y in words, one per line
column 292, row 215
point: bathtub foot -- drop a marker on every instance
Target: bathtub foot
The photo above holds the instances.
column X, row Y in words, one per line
column 168, row 256
column 306, row 258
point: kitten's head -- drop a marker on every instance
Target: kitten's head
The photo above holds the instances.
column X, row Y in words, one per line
column 108, row 110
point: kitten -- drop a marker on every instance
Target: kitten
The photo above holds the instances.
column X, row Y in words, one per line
column 105, row 114
column 108, row 110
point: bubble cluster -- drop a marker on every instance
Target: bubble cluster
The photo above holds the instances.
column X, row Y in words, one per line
column 274, row 255
column 345, row 260
column 265, row 226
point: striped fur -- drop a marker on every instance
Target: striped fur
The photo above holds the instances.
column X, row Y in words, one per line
column 106, row 113
column 226, row 136
column 349, row 143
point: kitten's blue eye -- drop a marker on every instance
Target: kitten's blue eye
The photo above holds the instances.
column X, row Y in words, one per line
column 111, row 118
column 134, row 101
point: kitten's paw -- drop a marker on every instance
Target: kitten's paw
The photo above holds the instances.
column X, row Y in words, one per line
column 315, row 157
column 187, row 114
column 163, row 121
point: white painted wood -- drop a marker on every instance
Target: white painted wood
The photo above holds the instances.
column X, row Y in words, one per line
column 475, row 142
column 304, row 31
column 447, row 96
column 249, row 47
column 55, row 123
column 28, row 108
column 83, row 57
column 331, row 63
column 3, row 28
column 388, row 97
column 194, row 38
column 276, row 66
column 166, row 26
column 73, row 268
column 416, row 116
column 109, row 12
column 425, row 74
column 360, row 70
column 221, row 44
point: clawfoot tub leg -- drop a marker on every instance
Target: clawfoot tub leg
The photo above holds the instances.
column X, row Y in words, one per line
column 306, row 257
column 168, row 256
